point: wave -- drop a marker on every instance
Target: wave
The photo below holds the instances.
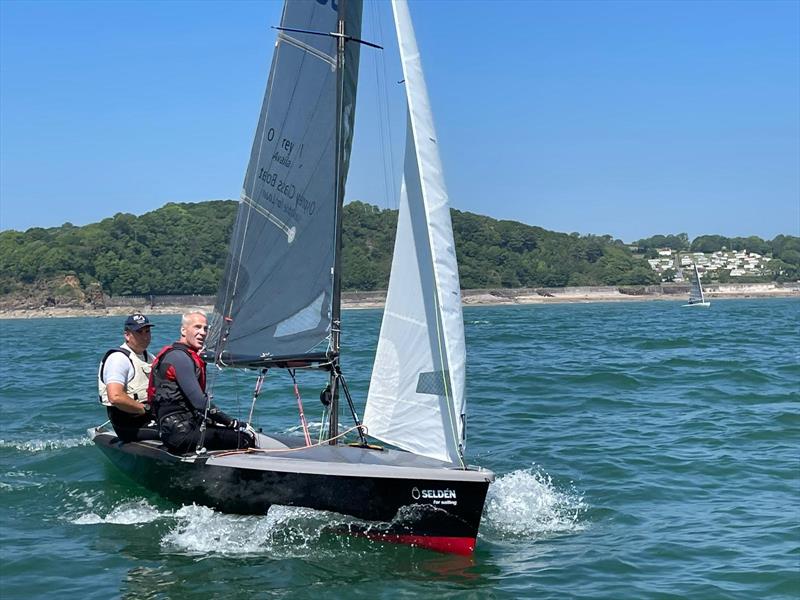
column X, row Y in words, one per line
column 608, row 379
column 666, row 344
column 44, row 445
column 127, row 513
column 20, row 480
column 526, row 503
column 200, row 531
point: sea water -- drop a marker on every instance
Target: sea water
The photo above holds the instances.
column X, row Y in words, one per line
column 642, row 450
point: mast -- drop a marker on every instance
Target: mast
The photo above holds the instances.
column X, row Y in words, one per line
column 336, row 300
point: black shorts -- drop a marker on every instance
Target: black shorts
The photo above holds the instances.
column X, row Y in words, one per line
column 181, row 433
column 132, row 428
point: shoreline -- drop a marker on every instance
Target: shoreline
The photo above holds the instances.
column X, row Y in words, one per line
column 499, row 297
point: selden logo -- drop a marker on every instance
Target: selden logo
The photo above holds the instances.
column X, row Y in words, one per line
column 445, row 496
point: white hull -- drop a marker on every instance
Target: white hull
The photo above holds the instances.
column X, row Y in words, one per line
column 698, row 304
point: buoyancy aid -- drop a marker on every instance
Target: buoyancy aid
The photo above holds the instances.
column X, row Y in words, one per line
column 136, row 387
column 163, row 391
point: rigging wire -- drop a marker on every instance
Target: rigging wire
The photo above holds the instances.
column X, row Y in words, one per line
column 259, row 382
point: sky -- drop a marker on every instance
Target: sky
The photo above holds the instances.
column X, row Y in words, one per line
column 627, row 118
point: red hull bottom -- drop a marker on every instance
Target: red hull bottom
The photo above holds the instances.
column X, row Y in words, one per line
column 452, row 545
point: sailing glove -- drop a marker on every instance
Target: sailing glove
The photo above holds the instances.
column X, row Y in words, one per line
column 220, row 417
column 238, row 425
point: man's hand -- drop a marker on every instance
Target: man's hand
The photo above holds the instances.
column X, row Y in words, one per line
column 220, row 417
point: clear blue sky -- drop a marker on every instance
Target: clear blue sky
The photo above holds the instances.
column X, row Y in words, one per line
column 626, row 118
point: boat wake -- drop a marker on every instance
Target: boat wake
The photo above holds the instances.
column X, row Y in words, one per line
column 44, row 445
column 127, row 513
column 526, row 503
column 198, row 530
column 201, row 530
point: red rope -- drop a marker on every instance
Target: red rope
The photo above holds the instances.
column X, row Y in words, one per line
column 300, row 408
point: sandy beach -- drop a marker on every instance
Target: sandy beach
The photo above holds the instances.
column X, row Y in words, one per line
column 489, row 297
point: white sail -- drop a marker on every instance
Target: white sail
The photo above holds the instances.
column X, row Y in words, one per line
column 416, row 395
column 696, row 293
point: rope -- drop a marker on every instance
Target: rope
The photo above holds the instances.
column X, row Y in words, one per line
column 322, row 423
column 300, row 408
column 268, row 450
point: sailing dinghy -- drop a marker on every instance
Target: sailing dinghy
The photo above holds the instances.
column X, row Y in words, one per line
column 278, row 307
column 696, row 296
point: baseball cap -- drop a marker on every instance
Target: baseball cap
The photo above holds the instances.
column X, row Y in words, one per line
column 136, row 322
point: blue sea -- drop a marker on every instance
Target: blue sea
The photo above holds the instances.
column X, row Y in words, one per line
column 642, row 450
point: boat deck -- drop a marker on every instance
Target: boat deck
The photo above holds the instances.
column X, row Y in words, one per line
column 289, row 454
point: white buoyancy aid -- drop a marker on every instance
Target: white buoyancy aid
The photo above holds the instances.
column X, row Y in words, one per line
column 136, row 387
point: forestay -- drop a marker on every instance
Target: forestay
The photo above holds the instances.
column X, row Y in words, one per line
column 276, row 294
column 416, row 394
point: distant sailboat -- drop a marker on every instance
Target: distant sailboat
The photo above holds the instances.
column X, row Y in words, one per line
column 696, row 296
column 278, row 307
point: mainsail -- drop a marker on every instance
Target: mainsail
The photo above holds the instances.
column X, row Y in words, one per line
column 696, row 293
column 416, row 394
column 276, row 294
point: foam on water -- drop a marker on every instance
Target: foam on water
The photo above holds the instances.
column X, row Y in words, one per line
column 20, row 480
column 43, row 445
column 313, row 427
column 127, row 513
column 526, row 503
column 201, row 530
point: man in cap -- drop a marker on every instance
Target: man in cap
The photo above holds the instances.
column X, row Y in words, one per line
column 122, row 382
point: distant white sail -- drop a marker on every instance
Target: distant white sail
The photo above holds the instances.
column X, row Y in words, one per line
column 696, row 293
column 416, row 395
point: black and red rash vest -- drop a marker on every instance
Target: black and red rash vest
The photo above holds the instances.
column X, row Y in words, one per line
column 163, row 390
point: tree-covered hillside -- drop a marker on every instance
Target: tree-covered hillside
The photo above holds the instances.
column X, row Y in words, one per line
column 181, row 249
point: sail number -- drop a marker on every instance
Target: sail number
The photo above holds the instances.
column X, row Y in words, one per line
column 288, row 190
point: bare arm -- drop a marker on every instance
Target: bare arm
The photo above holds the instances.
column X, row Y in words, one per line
column 117, row 371
column 121, row 400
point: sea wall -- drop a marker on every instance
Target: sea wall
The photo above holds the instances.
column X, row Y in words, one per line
column 121, row 305
column 151, row 301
